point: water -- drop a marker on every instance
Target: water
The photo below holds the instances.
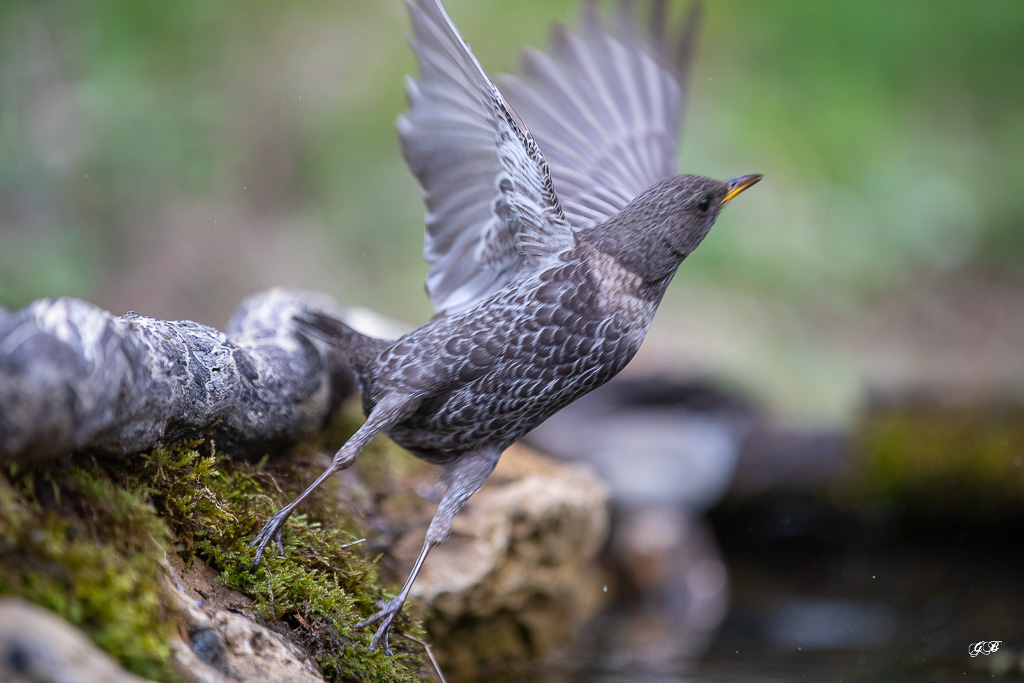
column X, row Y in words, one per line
column 829, row 599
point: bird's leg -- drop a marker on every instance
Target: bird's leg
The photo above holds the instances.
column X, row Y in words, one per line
column 385, row 414
column 463, row 477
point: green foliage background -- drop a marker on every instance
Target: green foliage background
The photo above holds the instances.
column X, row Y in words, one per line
column 170, row 158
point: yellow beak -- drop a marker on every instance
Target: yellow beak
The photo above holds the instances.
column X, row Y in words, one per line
column 738, row 184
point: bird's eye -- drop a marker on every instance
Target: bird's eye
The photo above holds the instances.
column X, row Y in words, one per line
column 704, row 203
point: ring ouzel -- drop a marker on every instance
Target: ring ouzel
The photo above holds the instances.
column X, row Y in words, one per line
column 549, row 251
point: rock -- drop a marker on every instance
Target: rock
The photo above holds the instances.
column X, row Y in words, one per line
column 217, row 645
column 940, row 452
column 222, row 645
column 518, row 576
column 37, row 645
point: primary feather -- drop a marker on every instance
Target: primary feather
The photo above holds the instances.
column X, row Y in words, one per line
column 605, row 114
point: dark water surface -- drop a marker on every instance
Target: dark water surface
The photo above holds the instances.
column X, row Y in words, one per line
column 815, row 597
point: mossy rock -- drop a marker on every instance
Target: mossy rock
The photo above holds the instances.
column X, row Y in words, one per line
column 85, row 537
column 934, row 456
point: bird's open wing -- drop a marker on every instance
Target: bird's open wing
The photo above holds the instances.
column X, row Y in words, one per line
column 606, row 110
column 491, row 205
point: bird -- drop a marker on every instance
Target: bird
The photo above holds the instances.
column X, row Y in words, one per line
column 549, row 249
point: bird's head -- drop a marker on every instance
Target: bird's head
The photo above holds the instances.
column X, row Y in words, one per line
column 664, row 224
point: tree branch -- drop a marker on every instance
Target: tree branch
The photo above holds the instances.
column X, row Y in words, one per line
column 73, row 376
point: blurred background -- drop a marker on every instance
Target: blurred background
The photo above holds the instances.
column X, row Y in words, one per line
column 171, row 158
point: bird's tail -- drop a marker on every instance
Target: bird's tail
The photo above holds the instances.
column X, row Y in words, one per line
column 358, row 349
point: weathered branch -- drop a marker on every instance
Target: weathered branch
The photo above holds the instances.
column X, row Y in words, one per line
column 73, row 376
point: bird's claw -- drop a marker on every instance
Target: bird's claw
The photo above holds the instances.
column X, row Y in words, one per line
column 271, row 530
column 389, row 610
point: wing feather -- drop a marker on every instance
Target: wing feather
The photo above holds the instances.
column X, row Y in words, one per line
column 606, row 109
column 605, row 113
column 491, row 204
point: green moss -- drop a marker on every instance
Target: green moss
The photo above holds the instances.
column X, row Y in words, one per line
column 90, row 551
column 936, row 459
column 87, row 541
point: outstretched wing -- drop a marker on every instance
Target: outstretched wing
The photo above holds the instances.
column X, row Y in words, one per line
column 606, row 110
column 491, row 205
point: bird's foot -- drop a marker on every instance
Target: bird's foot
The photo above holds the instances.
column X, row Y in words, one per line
column 271, row 530
column 388, row 611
